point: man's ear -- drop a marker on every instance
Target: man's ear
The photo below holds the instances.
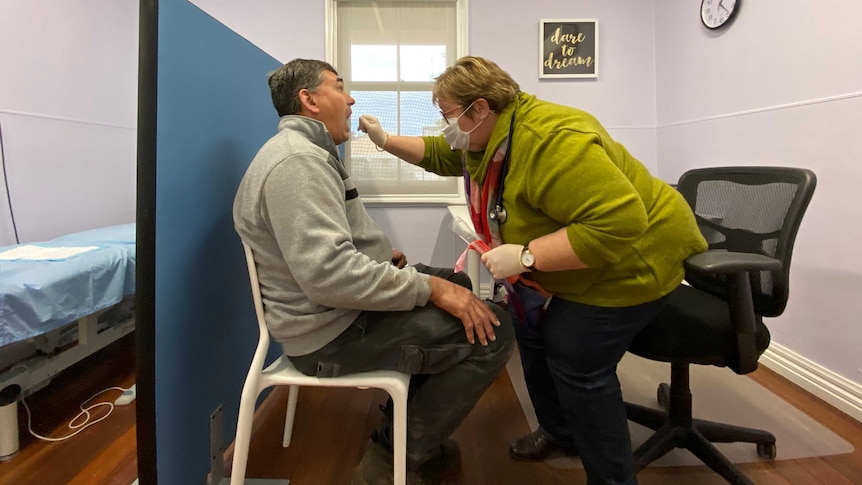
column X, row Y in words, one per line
column 306, row 98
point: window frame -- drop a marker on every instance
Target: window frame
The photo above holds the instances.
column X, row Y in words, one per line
column 461, row 49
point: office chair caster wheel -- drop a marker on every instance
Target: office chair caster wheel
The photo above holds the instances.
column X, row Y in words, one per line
column 766, row 450
column 662, row 395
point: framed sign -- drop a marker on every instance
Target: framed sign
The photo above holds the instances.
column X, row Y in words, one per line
column 568, row 48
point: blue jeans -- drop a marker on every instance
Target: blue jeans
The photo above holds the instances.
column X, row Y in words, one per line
column 570, row 362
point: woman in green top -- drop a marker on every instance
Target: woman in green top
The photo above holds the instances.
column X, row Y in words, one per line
column 586, row 240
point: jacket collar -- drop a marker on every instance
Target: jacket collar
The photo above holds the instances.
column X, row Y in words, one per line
column 314, row 130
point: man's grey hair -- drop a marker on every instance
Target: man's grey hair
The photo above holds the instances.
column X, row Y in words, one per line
column 287, row 81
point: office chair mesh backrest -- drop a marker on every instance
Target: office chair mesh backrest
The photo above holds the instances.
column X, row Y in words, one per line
column 717, row 320
column 752, row 210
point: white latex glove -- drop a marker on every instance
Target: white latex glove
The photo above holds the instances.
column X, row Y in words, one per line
column 504, row 261
column 371, row 125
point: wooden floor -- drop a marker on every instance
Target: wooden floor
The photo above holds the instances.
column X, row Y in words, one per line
column 104, row 453
column 331, row 432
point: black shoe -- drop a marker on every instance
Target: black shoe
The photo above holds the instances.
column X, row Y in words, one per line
column 537, row 446
column 375, row 468
column 445, row 461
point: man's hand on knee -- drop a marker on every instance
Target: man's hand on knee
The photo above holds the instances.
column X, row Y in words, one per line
column 479, row 320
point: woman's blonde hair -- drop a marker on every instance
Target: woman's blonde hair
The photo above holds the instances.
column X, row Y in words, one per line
column 471, row 78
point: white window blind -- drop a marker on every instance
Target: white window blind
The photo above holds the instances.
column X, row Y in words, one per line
column 389, row 54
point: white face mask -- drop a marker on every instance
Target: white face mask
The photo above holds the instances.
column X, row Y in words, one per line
column 457, row 138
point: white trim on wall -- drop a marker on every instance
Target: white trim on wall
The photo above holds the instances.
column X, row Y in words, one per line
column 629, row 127
column 63, row 118
column 835, row 389
column 329, row 31
column 463, row 25
column 766, row 109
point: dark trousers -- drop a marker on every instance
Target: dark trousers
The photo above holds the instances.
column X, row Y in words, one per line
column 450, row 373
column 570, row 361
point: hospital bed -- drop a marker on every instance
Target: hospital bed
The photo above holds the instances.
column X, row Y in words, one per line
column 62, row 300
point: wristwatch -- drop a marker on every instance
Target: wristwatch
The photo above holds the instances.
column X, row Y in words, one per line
column 528, row 261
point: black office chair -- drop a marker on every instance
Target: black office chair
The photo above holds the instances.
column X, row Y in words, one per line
column 749, row 216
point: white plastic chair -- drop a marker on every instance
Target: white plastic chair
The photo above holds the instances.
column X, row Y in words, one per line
column 282, row 373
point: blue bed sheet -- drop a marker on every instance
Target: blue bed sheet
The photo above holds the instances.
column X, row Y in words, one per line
column 39, row 296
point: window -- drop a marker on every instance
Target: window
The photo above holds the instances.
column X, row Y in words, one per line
column 389, row 54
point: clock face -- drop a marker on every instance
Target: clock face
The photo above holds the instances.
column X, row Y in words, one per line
column 715, row 13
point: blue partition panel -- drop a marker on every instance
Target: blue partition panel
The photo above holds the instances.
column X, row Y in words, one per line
column 214, row 112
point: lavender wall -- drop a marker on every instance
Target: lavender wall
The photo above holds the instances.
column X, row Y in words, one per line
column 68, row 106
column 284, row 30
column 623, row 97
column 781, row 86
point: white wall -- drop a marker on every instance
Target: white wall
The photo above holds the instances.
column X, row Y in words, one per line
column 781, row 86
column 68, row 109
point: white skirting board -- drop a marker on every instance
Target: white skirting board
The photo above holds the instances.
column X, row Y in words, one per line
column 835, row 389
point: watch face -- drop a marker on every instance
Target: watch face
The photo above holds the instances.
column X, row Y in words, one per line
column 716, row 13
column 527, row 259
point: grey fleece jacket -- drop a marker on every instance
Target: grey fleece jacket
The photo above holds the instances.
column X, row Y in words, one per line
column 320, row 257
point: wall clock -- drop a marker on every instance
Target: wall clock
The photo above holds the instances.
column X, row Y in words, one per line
column 716, row 14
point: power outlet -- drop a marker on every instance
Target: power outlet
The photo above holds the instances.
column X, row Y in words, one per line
column 127, row 396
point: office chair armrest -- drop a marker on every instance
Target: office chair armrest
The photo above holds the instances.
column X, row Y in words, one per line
column 723, row 262
column 736, row 268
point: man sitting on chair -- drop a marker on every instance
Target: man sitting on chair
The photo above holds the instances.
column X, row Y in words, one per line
column 339, row 299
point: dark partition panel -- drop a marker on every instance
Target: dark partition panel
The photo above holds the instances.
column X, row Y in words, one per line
column 205, row 110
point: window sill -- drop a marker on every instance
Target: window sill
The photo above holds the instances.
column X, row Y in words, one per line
column 411, row 200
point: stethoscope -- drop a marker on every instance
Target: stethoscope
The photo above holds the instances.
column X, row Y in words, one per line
column 498, row 212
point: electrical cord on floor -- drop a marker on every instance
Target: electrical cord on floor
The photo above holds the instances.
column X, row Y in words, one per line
column 6, row 180
column 84, row 412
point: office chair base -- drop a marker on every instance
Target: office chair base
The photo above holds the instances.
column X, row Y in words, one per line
column 697, row 436
column 711, row 430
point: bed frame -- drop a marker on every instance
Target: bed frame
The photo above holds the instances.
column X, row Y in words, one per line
column 32, row 364
column 54, row 313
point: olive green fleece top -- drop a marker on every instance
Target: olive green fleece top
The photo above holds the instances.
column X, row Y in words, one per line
column 632, row 229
